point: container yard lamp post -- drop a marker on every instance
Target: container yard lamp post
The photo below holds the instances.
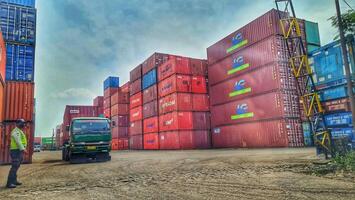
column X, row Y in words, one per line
column 346, row 62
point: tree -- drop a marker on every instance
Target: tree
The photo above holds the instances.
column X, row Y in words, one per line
column 348, row 22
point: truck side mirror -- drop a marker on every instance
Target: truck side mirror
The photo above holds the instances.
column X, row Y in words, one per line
column 113, row 123
column 67, row 127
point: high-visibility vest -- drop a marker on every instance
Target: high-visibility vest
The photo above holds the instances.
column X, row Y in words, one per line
column 22, row 137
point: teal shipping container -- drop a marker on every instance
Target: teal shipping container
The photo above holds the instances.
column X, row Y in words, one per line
column 312, row 33
column 327, row 62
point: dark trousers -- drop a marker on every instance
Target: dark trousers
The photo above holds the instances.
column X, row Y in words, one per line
column 16, row 160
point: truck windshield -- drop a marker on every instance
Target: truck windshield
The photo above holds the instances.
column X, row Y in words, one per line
column 90, row 126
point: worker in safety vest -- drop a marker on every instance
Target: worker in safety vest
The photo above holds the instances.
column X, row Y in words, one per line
column 17, row 149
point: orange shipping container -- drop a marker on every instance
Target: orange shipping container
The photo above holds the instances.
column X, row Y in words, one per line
column 2, row 99
column 19, row 100
column 6, row 140
column 2, row 58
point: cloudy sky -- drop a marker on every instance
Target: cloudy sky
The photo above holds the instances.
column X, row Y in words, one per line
column 81, row 42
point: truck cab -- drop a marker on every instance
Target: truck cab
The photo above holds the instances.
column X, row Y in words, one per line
column 89, row 140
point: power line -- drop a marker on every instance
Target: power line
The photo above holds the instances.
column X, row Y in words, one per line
column 348, row 5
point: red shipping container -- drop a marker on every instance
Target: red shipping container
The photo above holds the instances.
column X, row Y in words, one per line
column 37, row 140
column 6, row 141
column 135, row 87
column 114, row 144
column 2, row 58
column 136, row 142
column 259, row 29
column 123, row 144
column 119, row 132
column 176, row 121
column 202, row 139
column 2, row 100
column 136, row 73
column 200, row 102
column 337, row 105
column 109, row 92
column 273, row 133
column 175, row 83
column 107, row 112
column 19, row 100
column 199, row 84
column 198, row 67
column 267, row 106
column 151, row 141
column 262, row 80
column 150, row 94
column 194, row 139
column 175, row 65
column 120, row 98
column 136, row 128
column 107, row 103
column 136, row 114
column 100, row 111
column 264, row 52
column 98, row 101
column 151, row 125
column 175, row 102
column 201, row 120
column 124, row 88
column 119, row 109
column 150, row 109
column 72, row 111
column 120, row 120
column 169, row 140
column 154, row 61
column 136, row 100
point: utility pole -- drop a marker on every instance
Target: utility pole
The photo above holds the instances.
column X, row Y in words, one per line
column 346, row 62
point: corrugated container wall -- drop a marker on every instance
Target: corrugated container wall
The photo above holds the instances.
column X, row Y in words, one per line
column 149, row 79
column 18, row 23
column 19, row 62
column 98, row 101
column 111, row 82
column 2, row 58
column 6, row 141
column 19, row 100
column 154, row 61
column 28, row 3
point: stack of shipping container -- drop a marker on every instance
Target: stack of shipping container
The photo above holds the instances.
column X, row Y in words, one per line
column 119, row 117
column 18, row 26
column 111, row 85
column 254, row 101
column 150, row 100
column 136, row 109
column 327, row 63
column 184, row 118
column 99, row 103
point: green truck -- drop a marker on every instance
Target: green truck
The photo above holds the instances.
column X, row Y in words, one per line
column 89, row 140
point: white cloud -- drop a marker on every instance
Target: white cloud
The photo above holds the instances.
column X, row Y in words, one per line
column 74, row 93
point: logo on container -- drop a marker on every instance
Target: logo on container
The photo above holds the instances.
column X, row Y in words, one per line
column 242, row 112
column 238, row 41
column 238, row 65
column 167, row 86
column 216, row 130
column 151, row 141
column 137, row 100
column 169, row 103
column 151, row 125
column 168, row 122
column 136, row 114
column 74, row 111
column 240, row 88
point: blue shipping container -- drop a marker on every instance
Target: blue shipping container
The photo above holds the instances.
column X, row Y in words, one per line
column 334, row 93
column 29, row 3
column 327, row 61
column 18, row 24
column 19, row 62
column 338, row 119
column 149, row 78
column 339, row 132
column 111, row 81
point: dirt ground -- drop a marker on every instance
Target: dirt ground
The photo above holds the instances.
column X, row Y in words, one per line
column 200, row 174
